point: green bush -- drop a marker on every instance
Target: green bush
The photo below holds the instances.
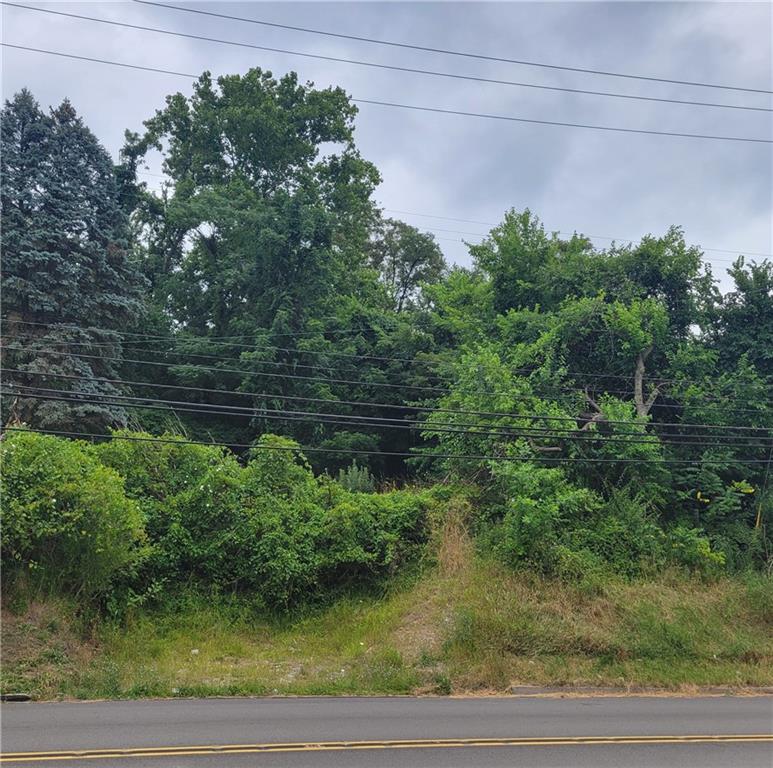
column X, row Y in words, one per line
column 623, row 534
column 357, row 478
column 689, row 547
column 541, row 507
column 269, row 528
column 188, row 494
column 371, row 535
column 67, row 521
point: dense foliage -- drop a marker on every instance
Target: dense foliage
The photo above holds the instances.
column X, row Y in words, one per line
column 133, row 520
column 607, row 411
column 68, row 281
column 67, row 522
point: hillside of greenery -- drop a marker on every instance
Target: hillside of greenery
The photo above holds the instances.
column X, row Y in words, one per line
column 241, row 396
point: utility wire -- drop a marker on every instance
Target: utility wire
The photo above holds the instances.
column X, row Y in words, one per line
column 243, row 372
column 377, row 65
column 419, row 108
column 534, row 121
column 69, row 326
column 450, row 52
column 550, row 390
column 737, row 252
column 310, row 417
column 430, row 390
column 370, row 421
column 352, row 452
column 217, row 342
column 414, row 408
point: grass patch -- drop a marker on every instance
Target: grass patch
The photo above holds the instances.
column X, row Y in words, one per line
column 466, row 624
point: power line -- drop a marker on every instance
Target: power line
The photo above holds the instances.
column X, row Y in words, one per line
column 431, row 390
column 293, row 365
column 450, row 52
column 415, row 408
column 296, row 398
column 612, row 238
column 737, row 251
column 473, row 430
column 289, row 334
column 218, row 341
column 342, row 419
column 269, row 374
column 377, row 65
column 419, row 108
column 352, row 452
column 534, row 121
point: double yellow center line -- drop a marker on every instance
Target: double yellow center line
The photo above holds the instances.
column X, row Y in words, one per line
column 323, row 746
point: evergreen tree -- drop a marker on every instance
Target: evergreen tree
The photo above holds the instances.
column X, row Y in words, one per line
column 65, row 266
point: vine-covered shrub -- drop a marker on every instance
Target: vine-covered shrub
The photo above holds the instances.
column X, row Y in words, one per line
column 67, row 521
column 187, row 494
column 541, row 520
column 138, row 519
column 268, row 527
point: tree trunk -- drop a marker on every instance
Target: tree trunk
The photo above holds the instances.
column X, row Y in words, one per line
column 643, row 407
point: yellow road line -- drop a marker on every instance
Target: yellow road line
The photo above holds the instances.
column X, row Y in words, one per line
column 235, row 749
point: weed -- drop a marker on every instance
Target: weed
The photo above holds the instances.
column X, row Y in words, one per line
column 443, row 685
column 484, row 629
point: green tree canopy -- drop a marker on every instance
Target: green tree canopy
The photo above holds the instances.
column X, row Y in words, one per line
column 406, row 259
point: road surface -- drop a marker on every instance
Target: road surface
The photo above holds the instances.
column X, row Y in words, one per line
column 380, row 732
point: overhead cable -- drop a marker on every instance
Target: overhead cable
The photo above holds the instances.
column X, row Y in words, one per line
column 546, row 418
column 220, row 341
column 475, row 430
column 352, row 452
column 549, row 389
column 450, row 52
column 420, row 108
column 378, row 65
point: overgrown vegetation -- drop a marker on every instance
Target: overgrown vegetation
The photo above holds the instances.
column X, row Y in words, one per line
column 190, row 515
column 292, row 404
column 474, row 627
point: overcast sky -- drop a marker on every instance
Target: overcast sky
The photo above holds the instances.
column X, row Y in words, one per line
column 599, row 183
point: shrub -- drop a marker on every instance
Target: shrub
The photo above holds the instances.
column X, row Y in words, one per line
column 370, row 535
column 540, row 507
column 623, row 534
column 189, row 495
column 269, row 528
column 66, row 518
column 297, row 536
column 690, row 548
column 357, row 478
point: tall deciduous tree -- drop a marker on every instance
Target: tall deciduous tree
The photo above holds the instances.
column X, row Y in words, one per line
column 746, row 317
column 406, row 259
column 65, row 264
column 268, row 204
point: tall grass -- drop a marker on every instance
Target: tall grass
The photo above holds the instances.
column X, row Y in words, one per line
column 467, row 624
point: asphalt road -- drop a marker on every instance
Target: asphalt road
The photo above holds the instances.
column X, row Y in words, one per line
column 380, row 732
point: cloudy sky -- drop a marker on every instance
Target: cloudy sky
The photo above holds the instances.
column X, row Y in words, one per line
column 464, row 168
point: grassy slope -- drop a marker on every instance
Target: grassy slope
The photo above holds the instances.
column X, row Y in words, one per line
column 466, row 624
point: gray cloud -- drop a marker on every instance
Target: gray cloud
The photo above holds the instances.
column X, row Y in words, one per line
column 599, row 183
